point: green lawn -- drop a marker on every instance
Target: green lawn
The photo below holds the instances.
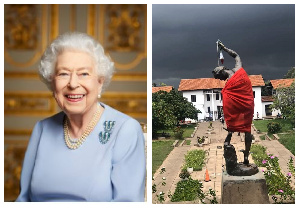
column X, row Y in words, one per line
column 261, row 125
column 160, row 150
column 188, row 130
column 288, row 140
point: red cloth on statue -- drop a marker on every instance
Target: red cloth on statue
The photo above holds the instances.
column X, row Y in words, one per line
column 238, row 102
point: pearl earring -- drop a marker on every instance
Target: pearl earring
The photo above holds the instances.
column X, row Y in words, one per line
column 99, row 96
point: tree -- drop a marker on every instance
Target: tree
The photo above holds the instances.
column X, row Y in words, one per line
column 169, row 108
column 267, row 89
column 162, row 116
column 285, row 101
column 290, row 73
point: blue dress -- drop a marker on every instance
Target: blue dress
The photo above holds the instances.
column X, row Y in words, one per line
column 95, row 172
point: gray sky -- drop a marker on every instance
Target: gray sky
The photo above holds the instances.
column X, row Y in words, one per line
column 184, row 40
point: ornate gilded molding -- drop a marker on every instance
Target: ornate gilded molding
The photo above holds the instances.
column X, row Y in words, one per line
column 25, row 103
column 38, row 47
column 54, row 21
column 133, row 104
column 91, row 20
column 14, row 151
column 121, row 76
column 20, row 27
column 73, row 17
column 123, row 25
column 21, row 75
column 17, row 132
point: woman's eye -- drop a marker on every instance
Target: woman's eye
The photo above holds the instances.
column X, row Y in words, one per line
column 84, row 74
column 63, row 74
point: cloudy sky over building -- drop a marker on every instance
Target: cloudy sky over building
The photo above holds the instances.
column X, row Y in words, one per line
column 184, row 40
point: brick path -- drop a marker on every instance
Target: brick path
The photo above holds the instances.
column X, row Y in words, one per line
column 215, row 160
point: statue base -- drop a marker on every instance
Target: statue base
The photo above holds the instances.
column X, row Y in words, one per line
column 233, row 167
column 244, row 189
column 242, row 169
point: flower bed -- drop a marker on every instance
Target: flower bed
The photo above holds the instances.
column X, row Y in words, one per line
column 279, row 184
column 195, row 159
column 190, row 190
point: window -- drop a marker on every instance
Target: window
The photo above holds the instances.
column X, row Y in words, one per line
column 208, row 109
column 193, row 98
column 217, row 97
column 207, row 97
column 254, row 94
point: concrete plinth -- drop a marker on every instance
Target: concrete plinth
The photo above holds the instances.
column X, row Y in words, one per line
column 244, row 189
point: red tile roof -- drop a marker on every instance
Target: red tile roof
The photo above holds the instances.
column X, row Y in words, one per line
column 200, row 83
column 267, row 99
column 256, row 80
column 282, row 82
column 212, row 83
column 162, row 88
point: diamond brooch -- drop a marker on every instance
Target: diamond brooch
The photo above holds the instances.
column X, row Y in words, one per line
column 105, row 135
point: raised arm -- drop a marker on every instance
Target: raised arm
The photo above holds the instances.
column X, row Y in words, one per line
column 238, row 61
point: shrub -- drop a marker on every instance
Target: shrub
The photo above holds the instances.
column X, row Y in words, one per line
column 278, row 183
column 201, row 139
column 191, row 190
column 258, row 153
column 210, row 125
column 195, row 159
column 274, row 127
column 184, row 174
column 188, row 191
column 178, row 132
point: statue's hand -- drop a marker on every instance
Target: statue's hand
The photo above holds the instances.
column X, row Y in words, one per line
column 220, row 44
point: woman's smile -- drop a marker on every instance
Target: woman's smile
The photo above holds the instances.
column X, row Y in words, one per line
column 74, row 97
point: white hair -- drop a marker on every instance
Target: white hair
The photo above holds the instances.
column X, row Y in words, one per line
column 75, row 41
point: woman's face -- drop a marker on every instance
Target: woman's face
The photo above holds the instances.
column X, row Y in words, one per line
column 76, row 83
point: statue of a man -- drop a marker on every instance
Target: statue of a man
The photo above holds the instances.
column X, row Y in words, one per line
column 238, row 108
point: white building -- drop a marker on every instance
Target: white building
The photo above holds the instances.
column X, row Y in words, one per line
column 267, row 101
column 205, row 94
column 267, row 111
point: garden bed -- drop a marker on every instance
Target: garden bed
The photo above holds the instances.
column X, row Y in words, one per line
column 195, row 159
column 279, row 184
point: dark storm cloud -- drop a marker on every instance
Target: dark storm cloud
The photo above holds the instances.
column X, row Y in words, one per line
column 184, row 39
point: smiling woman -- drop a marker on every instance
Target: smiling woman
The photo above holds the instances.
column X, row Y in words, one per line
column 88, row 151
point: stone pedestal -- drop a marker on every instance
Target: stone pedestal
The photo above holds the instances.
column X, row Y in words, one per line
column 244, row 189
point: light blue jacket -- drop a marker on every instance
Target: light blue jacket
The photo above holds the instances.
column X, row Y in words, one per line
column 112, row 171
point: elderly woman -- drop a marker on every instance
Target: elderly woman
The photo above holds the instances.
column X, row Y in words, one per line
column 89, row 151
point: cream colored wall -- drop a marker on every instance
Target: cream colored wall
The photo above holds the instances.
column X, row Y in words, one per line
column 28, row 31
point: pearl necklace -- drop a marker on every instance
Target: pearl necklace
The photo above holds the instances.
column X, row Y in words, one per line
column 76, row 143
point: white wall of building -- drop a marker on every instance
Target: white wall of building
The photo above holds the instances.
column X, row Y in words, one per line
column 274, row 111
column 213, row 103
column 199, row 104
column 202, row 104
column 257, row 102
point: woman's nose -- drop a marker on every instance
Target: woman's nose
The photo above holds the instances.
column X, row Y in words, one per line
column 74, row 82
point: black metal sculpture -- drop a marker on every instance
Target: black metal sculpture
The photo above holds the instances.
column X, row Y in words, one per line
column 232, row 103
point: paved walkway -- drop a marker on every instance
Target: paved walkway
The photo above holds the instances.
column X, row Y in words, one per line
column 215, row 160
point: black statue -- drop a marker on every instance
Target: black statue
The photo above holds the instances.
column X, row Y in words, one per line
column 238, row 108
